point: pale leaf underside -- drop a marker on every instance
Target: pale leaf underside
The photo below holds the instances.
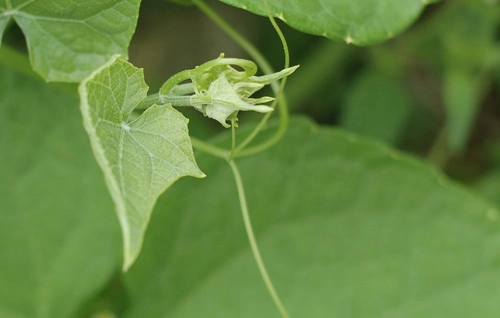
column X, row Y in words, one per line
column 140, row 158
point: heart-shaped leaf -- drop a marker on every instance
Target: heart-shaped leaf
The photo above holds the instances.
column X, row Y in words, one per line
column 140, row 157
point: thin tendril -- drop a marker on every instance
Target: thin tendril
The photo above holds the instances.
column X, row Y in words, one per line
column 253, row 242
column 264, row 65
column 209, row 148
column 233, row 138
column 174, row 80
column 280, row 99
column 238, row 38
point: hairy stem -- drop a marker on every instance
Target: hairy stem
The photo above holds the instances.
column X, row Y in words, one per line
column 280, row 99
column 210, row 149
column 253, row 242
column 173, row 81
column 174, row 100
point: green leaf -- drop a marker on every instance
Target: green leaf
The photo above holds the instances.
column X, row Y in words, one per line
column 140, row 157
column 59, row 243
column 489, row 187
column 347, row 228
column 354, row 21
column 377, row 106
column 68, row 39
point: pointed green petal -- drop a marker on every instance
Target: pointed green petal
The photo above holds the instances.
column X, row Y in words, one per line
column 269, row 78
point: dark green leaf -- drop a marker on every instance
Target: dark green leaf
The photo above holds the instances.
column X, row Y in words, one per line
column 354, row 21
column 59, row 240
column 347, row 228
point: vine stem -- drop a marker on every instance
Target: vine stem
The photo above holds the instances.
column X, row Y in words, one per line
column 210, row 149
column 237, row 151
column 253, row 242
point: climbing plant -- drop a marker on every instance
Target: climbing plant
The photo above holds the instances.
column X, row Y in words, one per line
column 284, row 216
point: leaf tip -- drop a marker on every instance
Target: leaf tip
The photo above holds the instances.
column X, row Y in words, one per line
column 199, row 174
column 349, row 40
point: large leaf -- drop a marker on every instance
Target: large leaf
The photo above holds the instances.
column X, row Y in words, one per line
column 354, row 21
column 59, row 243
column 140, row 157
column 348, row 228
column 67, row 39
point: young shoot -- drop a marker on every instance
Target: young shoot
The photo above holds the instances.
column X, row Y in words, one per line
column 219, row 90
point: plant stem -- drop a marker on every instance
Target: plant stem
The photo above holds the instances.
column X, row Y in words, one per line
column 267, row 69
column 174, row 80
column 210, row 149
column 183, row 89
column 233, row 138
column 282, row 104
column 253, row 242
column 148, row 101
column 174, row 100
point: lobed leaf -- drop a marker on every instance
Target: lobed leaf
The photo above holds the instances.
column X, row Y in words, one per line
column 67, row 39
column 359, row 22
column 141, row 157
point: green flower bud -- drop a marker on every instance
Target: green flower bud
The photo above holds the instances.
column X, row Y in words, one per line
column 222, row 101
column 220, row 91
